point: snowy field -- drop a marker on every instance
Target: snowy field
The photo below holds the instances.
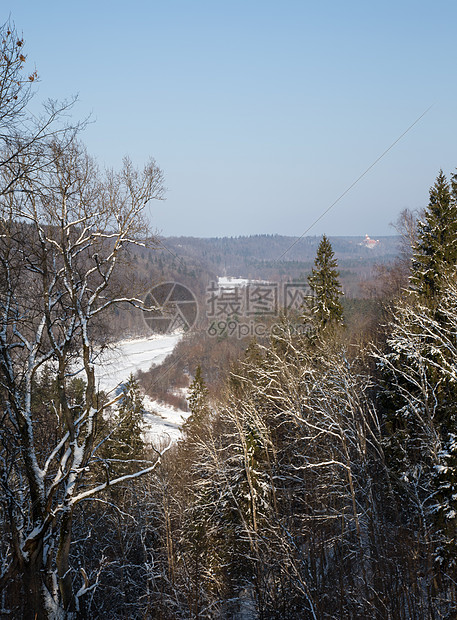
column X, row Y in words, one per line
column 163, row 421
column 129, row 356
column 229, row 282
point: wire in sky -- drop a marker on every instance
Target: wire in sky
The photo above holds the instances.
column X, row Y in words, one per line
column 355, row 182
column 160, row 242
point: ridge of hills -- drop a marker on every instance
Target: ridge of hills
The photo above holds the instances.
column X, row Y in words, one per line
column 276, row 257
column 195, row 262
column 280, row 248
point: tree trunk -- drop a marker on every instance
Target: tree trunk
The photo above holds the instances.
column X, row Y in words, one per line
column 63, row 565
column 33, row 580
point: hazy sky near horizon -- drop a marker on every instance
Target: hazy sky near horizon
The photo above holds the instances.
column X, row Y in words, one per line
column 260, row 113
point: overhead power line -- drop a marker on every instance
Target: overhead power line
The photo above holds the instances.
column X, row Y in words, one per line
column 355, row 182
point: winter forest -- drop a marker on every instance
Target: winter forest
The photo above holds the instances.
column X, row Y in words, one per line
column 317, row 480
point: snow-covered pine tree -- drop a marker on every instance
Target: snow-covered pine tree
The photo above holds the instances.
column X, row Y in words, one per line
column 419, row 374
column 200, row 534
column 198, row 405
column 126, row 441
column 420, row 417
column 324, row 282
column 435, row 254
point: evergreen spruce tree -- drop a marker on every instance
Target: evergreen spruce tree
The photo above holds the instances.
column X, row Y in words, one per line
column 435, row 254
column 126, row 441
column 198, row 405
column 200, row 535
column 421, row 410
column 324, row 282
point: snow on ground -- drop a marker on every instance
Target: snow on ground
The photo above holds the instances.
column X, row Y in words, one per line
column 166, row 425
column 115, row 366
column 229, row 282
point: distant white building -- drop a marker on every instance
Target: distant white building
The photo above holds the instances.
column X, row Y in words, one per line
column 369, row 243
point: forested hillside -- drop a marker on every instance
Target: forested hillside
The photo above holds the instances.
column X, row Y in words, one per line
column 316, row 474
column 321, row 482
column 196, row 262
column 276, row 257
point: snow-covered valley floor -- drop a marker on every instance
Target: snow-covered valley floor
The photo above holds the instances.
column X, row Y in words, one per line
column 128, row 356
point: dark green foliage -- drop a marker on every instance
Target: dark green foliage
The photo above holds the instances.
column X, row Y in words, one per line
column 324, row 282
column 418, row 373
column 198, row 395
column 198, row 405
column 435, row 254
column 126, row 441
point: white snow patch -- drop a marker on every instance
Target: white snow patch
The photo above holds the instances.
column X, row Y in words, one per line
column 229, row 282
column 163, row 422
column 129, row 356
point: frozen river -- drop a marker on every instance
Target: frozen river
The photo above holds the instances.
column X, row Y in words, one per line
column 115, row 366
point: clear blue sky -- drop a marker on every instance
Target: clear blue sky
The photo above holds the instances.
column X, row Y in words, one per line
column 260, row 113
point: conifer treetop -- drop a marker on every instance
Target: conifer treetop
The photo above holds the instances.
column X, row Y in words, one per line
column 325, row 285
column 435, row 253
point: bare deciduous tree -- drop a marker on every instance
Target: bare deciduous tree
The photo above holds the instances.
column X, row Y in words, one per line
column 63, row 230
